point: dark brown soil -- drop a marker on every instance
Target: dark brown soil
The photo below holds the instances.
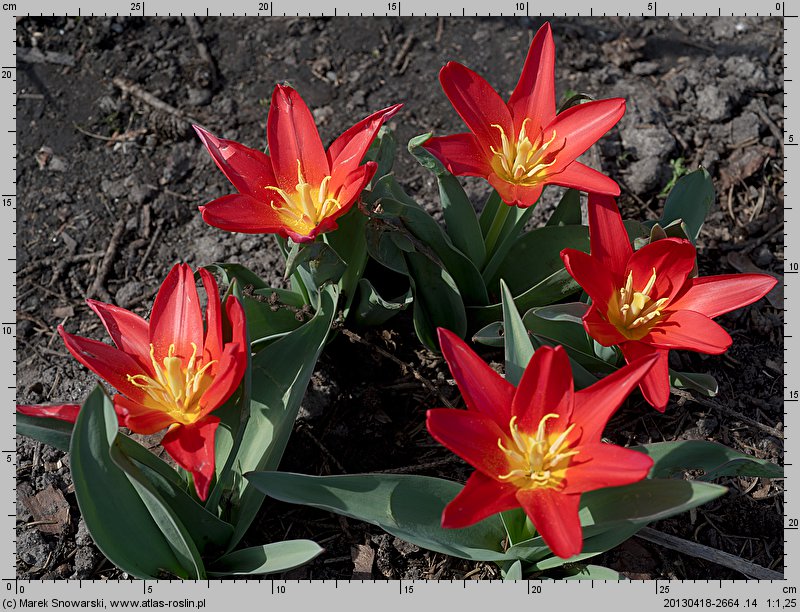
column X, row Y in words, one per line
column 92, row 159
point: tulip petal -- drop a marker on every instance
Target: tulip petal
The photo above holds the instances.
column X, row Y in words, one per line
column 192, row 448
column 581, row 126
column 241, row 213
column 212, row 345
column 513, row 194
column 480, row 498
column 672, row 259
column 609, row 240
column 129, row 331
column 293, row 140
column 716, row 295
column 546, row 387
column 655, row 383
column 473, row 436
column 461, row 154
column 596, row 404
column 580, row 176
column 601, row 330
column 534, row 96
column 346, row 152
column 477, row 104
column 176, row 319
column 350, row 190
column 231, row 367
column 248, row 169
column 65, row 412
column 555, row 516
column 483, row 389
column 592, row 275
column 599, row 465
column 140, row 418
column 109, row 363
column 689, row 330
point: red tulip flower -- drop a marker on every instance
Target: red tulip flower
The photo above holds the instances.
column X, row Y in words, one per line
column 537, row 445
column 646, row 303
column 170, row 372
column 299, row 189
column 521, row 146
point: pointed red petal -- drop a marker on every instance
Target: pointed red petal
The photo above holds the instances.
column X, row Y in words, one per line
column 140, row 418
column 555, row 516
column 292, row 137
column 689, row 330
column 477, row 103
column 350, row 190
column 461, row 154
column 716, row 295
column 212, row 345
column 607, row 235
column 176, row 318
column 129, row 331
column 513, row 194
column 581, row 126
column 110, row 364
column 473, row 436
column 596, row 404
column 600, row 329
column 655, row 383
column 241, row 213
column 598, row 465
column 483, row 389
column 671, row 258
column 481, row 497
column 534, row 96
column 192, row 447
column 595, row 278
column 65, row 412
column 249, row 170
column 347, row 151
column 580, row 176
column 546, row 387
column 232, row 365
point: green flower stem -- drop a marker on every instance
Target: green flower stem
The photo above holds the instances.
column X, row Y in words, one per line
column 496, row 228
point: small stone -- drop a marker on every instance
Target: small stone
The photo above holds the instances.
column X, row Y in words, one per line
column 764, row 257
column 645, row 68
column 129, row 292
column 32, row 547
column 83, row 537
column 140, row 193
column 85, row 560
column 713, row 104
column 199, row 97
column 322, row 114
column 403, row 547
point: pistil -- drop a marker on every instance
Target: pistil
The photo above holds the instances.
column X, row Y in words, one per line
column 522, row 161
column 307, row 206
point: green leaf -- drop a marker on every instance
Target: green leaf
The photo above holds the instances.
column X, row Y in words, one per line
column 536, row 256
column 702, row 383
column 490, row 335
column 170, row 523
column 205, row 529
column 568, row 211
column 281, row 373
column 319, row 261
column 350, row 244
column 563, row 324
column 511, row 571
column 437, row 301
column 372, row 309
column 513, row 226
column 266, row 559
column 518, row 347
column 588, row 572
column 690, row 200
column 382, row 151
column 459, row 214
column 408, row 507
column 108, row 502
column 489, row 212
column 675, row 458
column 53, row 432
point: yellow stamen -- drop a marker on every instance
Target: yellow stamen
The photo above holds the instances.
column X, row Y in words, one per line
column 635, row 312
column 524, row 162
column 307, row 206
column 539, row 460
column 173, row 388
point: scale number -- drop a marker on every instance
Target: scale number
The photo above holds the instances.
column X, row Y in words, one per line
column 263, row 6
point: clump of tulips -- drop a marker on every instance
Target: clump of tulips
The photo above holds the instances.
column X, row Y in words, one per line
column 584, row 315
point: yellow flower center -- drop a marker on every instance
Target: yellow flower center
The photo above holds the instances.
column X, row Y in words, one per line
column 635, row 312
column 175, row 389
column 540, row 460
column 307, row 206
column 524, row 162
